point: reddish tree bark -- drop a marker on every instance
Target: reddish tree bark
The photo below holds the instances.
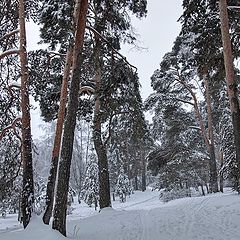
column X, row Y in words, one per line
column 60, row 208
column 28, row 186
column 231, row 83
column 57, row 140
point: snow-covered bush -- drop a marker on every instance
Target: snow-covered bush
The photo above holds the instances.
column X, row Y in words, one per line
column 175, row 193
column 90, row 192
column 123, row 187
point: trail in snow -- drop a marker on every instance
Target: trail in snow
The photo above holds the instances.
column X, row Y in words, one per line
column 211, row 217
column 145, row 217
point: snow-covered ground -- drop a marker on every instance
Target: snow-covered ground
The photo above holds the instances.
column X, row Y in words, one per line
column 142, row 217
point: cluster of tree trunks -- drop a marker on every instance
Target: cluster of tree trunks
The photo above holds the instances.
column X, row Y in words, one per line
column 62, row 167
column 231, row 81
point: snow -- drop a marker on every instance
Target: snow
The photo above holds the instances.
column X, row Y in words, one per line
column 143, row 217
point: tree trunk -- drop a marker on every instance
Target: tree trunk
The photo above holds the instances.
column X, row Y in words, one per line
column 231, row 82
column 28, row 185
column 60, row 208
column 213, row 182
column 206, row 185
column 203, row 193
column 104, row 185
column 136, row 182
column 221, row 174
column 57, row 140
column 143, row 173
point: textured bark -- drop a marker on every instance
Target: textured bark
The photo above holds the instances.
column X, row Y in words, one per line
column 60, row 208
column 209, row 141
column 213, row 181
column 143, row 172
column 57, row 140
column 221, row 174
column 104, row 185
column 28, row 186
column 203, row 193
column 136, row 182
column 231, row 82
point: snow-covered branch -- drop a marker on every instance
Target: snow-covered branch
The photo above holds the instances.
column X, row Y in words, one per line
column 8, row 52
column 11, row 126
column 109, row 44
column 184, row 101
column 57, row 54
column 233, row 7
column 109, row 125
column 87, row 89
column 8, row 35
column 179, row 79
column 195, row 127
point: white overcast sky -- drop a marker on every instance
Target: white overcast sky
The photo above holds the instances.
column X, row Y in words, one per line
column 157, row 33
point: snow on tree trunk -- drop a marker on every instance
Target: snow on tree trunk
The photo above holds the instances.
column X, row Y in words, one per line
column 213, row 182
column 60, row 208
column 231, row 83
column 104, row 184
column 28, row 186
column 57, row 140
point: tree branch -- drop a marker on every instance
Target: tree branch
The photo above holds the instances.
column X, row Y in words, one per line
column 87, row 89
column 11, row 126
column 8, row 52
column 184, row 101
column 196, row 107
column 109, row 126
column 8, row 35
column 109, row 44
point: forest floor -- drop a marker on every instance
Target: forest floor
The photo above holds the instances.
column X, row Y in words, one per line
column 142, row 217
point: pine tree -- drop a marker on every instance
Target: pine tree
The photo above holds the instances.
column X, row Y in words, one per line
column 16, row 22
column 123, row 187
column 204, row 15
column 90, row 191
column 231, row 83
column 60, row 208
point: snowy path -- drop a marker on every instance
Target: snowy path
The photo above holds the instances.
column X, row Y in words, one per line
column 144, row 217
column 214, row 217
column 199, row 218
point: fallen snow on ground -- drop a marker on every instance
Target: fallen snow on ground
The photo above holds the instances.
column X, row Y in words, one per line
column 144, row 217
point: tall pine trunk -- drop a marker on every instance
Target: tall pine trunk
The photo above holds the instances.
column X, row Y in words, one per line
column 57, row 140
column 143, row 172
column 221, row 173
column 231, row 83
column 213, row 183
column 28, row 186
column 60, row 208
column 100, row 147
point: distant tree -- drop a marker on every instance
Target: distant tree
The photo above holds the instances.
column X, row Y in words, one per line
column 90, row 190
column 109, row 26
column 210, row 58
column 123, row 187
